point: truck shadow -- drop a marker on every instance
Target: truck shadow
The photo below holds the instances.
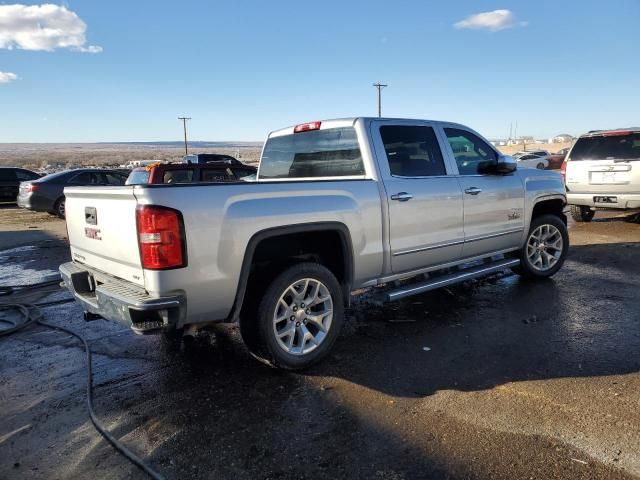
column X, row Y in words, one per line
column 584, row 322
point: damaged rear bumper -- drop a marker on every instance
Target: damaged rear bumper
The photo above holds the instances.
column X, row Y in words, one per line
column 122, row 302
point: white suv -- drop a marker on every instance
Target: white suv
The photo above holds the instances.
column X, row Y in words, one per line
column 602, row 170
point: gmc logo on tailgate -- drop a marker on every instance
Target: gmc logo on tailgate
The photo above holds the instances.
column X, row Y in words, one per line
column 92, row 233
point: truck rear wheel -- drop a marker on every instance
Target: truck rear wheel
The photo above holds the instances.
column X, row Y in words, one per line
column 545, row 249
column 298, row 318
column 581, row 213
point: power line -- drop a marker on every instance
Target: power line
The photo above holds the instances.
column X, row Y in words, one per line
column 184, row 125
column 380, row 86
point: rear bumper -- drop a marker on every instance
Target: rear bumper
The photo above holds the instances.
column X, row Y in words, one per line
column 121, row 301
column 34, row 203
column 23, row 202
column 623, row 200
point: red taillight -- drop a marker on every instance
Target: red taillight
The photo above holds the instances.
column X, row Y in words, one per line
column 161, row 238
column 617, row 134
column 563, row 170
column 307, row 127
column 32, row 187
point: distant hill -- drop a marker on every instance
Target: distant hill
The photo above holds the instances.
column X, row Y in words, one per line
column 41, row 156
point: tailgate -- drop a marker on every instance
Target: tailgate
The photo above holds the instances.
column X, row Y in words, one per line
column 606, row 176
column 101, row 222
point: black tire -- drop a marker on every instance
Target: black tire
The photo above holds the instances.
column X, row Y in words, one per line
column 540, row 166
column 581, row 213
column 260, row 336
column 527, row 268
column 59, row 208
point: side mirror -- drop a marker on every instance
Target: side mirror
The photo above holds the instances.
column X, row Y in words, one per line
column 506, row 164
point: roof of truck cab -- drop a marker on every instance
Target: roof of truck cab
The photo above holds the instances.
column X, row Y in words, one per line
column 350, row 121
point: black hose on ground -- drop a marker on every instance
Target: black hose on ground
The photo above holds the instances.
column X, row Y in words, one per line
column 11, row 289
column 31, row 314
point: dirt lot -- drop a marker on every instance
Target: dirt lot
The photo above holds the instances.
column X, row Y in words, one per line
column 518, row 380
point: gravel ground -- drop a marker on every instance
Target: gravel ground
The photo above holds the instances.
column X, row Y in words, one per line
column 500, row 378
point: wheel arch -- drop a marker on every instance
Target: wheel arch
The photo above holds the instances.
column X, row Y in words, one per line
column 343, row 267
column 553, row 205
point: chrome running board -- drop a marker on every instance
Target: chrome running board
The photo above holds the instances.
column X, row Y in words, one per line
column 450, row 279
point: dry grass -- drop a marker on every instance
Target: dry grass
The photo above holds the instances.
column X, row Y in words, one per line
column 552, row 148
column 72, row 155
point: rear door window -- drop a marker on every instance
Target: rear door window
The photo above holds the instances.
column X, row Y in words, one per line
column 412, row 151
column 604, row 147
column 85, row 178
column 320, row 153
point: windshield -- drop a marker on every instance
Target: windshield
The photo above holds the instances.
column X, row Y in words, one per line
column 610, row 147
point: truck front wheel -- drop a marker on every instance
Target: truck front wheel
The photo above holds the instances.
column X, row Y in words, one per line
column 298, row 317
column 545, row 249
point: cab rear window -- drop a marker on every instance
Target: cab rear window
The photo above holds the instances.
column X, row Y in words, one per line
column 320, row 153
column 602, row 147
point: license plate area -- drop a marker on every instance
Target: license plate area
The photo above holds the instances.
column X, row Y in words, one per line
column 603, row 199
column 609, row 178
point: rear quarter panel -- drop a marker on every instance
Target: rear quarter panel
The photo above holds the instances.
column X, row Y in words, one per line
column 221, row 219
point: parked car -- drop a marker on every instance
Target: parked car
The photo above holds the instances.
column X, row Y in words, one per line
column 556, row 159
column 10, row 178
column 46, row 194
column 171, row 173
column 532, row 160
column 338, row 206
column 539, row 153
column 210, row 157
column 603, row 171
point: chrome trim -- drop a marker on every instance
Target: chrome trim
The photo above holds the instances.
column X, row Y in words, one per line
column 432, row 247
column 493, row 235
column 459, row 242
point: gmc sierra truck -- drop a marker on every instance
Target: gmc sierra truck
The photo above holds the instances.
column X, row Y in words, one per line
column 404, row 205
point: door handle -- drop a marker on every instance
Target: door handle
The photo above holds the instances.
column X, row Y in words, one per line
column 473, row 191
column 402, row 196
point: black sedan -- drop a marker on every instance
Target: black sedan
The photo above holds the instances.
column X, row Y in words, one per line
column 10, row 178
column 47, row 193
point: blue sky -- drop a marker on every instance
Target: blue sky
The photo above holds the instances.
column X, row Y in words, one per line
column 242, row 68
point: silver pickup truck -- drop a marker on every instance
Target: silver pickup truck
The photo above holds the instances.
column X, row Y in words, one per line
column 404, row 205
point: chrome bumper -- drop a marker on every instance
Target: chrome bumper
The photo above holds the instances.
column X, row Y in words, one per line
column 623, row 200
column 121, row 301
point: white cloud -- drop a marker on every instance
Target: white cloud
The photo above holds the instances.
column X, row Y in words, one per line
column 6, row 77
column 43, row 27
column 494, row 21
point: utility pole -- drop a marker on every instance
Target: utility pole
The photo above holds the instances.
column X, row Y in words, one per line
column 184, row 126
column 380, row 86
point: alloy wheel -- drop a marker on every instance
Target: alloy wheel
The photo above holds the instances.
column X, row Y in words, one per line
column 303, row 316
column 544, row 247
